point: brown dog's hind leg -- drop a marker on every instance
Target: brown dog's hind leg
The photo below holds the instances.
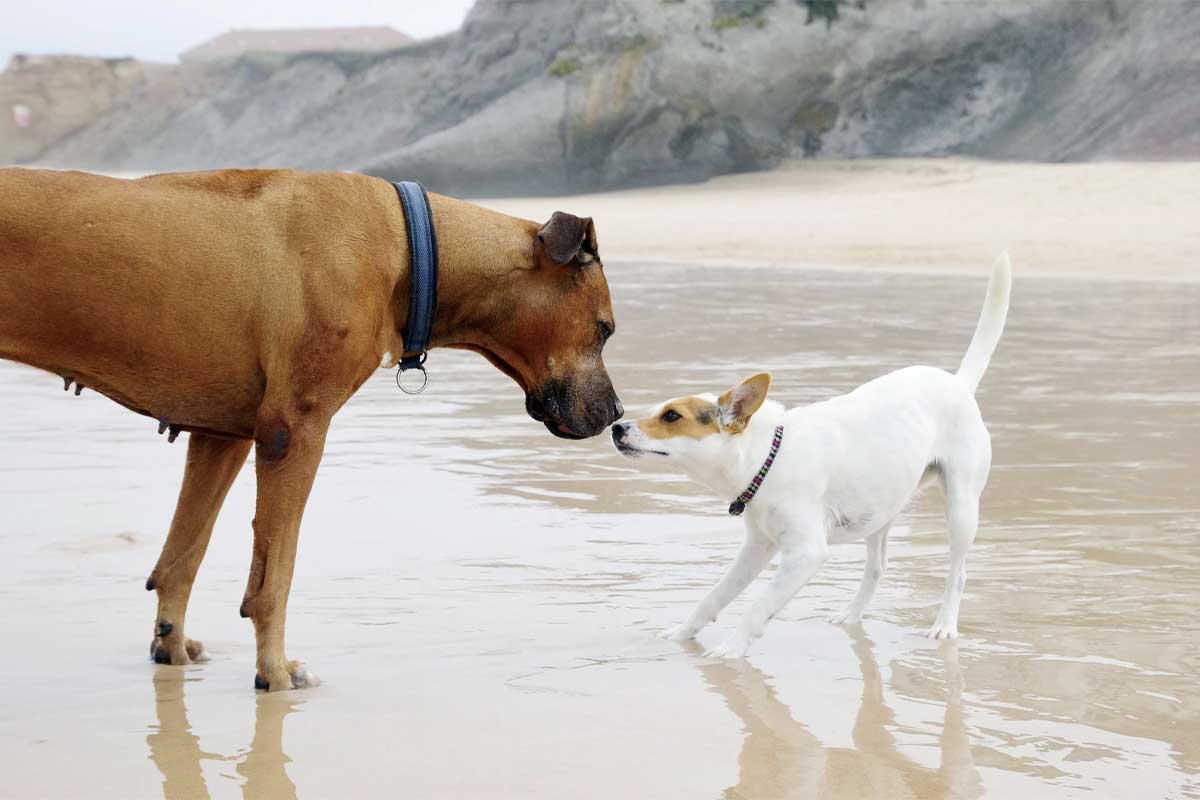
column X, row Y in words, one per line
column 212, row 464
column 286, row 463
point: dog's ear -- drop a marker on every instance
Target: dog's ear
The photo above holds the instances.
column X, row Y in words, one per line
column 567, row 236
column 737, row 406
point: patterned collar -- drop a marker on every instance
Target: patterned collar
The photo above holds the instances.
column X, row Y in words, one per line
column 738, row 506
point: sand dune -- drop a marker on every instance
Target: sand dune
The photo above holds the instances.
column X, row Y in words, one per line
column 1112, row 220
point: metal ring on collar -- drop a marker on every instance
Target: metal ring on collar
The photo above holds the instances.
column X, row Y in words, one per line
column 420, row 366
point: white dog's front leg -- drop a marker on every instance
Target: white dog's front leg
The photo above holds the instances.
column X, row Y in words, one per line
column 803, row 551
column 757, row 551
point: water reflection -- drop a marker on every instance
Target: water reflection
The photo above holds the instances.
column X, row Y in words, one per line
column 782, row 758
column 177, row 753
column 174, row 749
column 263, row 766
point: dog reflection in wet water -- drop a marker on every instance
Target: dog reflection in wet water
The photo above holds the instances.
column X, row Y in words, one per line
column 835, row 471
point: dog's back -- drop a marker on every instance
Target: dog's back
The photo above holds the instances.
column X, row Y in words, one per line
column 873, row 448
column 167, row 292
column 876, row 446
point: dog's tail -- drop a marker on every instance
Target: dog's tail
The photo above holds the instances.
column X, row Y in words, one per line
column 991, row 324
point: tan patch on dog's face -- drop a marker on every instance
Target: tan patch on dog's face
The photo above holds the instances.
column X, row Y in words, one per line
column 688, row 417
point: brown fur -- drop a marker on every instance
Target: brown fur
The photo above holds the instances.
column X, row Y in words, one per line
column 697, row 419
column 246, row 306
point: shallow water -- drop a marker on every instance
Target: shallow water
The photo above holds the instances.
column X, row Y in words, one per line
column 481, row 598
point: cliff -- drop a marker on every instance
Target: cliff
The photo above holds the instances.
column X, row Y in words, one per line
column 547, row 96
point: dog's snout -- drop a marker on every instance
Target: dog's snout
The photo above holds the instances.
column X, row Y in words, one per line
column 534, row 407
column 618, row 431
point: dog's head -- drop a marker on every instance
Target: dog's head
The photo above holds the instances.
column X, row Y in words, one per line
column 693, row 429
column 546, row 329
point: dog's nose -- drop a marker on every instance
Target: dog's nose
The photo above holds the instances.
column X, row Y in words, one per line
column 618, row 431
column 618, row 409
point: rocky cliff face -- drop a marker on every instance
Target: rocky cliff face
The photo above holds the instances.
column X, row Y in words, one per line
column 44, row 100
column 545, row 96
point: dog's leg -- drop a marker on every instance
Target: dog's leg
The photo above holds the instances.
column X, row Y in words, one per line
column 962, row 518
column 212, row 465
column 872, row 572
column 286, row 462
column 757, row 551
column 803, row 549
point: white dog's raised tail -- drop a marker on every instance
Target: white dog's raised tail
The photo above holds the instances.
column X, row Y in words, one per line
column 991, row 324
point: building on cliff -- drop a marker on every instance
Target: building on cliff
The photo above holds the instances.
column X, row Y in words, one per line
column 235, row 43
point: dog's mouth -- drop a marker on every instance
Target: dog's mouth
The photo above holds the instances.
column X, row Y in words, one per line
column 636, row 452
column 537, row 411
column 626, row 450
column 534, row 406
column 545, row 404
column 562, row 431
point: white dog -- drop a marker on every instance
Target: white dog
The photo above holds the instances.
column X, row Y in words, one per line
column 832, row 472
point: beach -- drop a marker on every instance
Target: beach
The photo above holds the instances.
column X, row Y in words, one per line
column 1095, row 220
column 483, row 601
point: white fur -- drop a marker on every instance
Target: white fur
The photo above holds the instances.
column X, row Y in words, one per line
column 847, row 467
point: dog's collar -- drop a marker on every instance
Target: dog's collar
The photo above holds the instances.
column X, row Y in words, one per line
column 423, row 277
column 739, row 505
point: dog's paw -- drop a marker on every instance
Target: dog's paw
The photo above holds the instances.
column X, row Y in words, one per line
column 679, row 633
column 734, row 647
column 940, row 631
column 304, row 678
column 848, row 617
column 294, row 675
column 164, row 650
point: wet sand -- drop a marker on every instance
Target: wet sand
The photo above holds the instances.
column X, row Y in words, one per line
column 481, row 599
column 1116, row 219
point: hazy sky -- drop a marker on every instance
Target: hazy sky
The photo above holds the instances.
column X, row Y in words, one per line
column 158, row 30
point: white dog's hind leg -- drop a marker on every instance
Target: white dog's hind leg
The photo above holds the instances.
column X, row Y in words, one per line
column 756, row 553
column 962, row 517
column 802, row 554
column 872, row 572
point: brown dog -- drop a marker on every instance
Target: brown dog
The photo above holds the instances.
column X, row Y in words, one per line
column 245, row 307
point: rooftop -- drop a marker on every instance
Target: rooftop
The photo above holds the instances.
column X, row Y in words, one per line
column 235, row 43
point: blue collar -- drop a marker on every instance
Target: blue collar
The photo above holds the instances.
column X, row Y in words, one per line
column 423, row 277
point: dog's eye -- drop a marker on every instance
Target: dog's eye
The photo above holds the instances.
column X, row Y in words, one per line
column 671, row 415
